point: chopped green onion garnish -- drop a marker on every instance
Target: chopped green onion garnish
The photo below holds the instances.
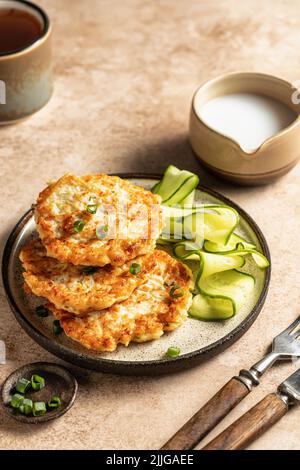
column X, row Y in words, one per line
column 135, row 268
column 16, row 400
column 39, row 408
column 57, row 329
column 90, row 270
column 26, row 407
column 92, row 208
column 173, row 352
column 37, row 382
column 21, row 409
column 23, row 385
column 54, row 402
column 42, row 311
column 78, row 226
column 176, row 292
column 101, row 232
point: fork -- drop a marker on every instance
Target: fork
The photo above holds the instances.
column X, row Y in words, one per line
column 285, row 346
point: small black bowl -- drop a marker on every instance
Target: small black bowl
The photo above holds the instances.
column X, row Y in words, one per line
column 58, row 381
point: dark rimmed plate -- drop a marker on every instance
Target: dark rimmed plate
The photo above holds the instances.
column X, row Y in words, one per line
column 197, row 340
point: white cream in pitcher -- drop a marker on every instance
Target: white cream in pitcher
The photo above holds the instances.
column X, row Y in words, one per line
column 248, row 118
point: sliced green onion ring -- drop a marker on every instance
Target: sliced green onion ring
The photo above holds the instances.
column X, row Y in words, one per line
column 135, row 268
column 23, row 385
column 16, row 400
column 92, row 208
column 37, row 382
column 176, row 292
column 78, row 226
column 39, row 408
column 26, row 407
column 54, row 402
column 173, row 351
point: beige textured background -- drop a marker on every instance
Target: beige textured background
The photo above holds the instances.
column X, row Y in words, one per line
column 125, row 73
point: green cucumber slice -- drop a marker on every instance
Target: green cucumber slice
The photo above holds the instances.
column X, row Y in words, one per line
column 188, row 201
column 238, row 246
column 176, row 185
column 210, row 309
column 232, row 289
column 222, row 289
column 233, row 243
column 215, row 223
column 205, row 234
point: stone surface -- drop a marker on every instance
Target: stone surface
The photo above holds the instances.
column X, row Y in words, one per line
column 125, row 72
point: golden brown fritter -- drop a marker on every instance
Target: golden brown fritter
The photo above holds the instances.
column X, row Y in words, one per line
column 96, row 220
column 80, row 289
column 158, row 305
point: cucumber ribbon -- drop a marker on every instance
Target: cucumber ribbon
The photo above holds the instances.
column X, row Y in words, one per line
column 205, row 233
column 176, row 186
column 221, row 289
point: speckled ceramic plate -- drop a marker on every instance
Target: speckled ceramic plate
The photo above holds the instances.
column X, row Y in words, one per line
column 197, row 340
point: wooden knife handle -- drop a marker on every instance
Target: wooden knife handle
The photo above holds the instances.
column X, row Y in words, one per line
column 208, row 417
column 251, row 425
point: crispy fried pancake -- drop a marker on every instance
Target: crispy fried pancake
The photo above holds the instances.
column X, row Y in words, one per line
column 96, row 220
column 159, row 305
column 80, row 289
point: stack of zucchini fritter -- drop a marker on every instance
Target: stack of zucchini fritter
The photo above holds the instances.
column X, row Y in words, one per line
column 96, row 263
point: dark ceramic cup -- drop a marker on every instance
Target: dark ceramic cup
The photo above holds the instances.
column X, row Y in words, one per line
column 26, row 74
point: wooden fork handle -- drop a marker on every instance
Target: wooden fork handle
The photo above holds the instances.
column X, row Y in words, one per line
column 251, row 425
column 208, row 416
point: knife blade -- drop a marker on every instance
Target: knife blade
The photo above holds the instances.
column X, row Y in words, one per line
column 291, row 386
